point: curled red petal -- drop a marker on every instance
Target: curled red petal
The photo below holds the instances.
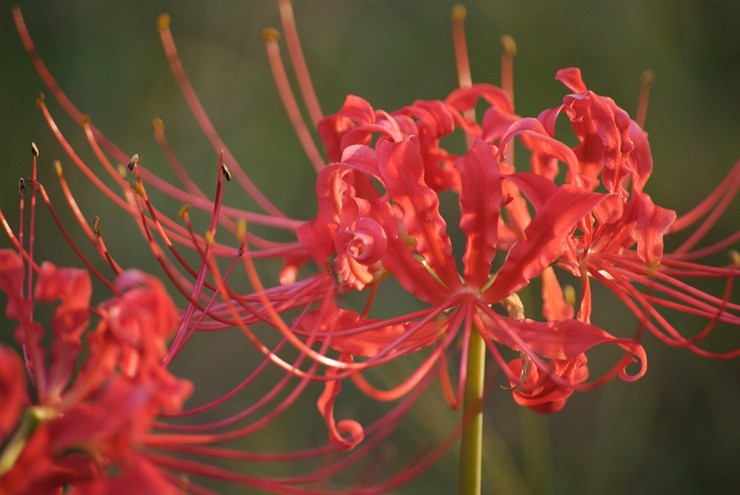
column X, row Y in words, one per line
column 480, row 205
column 544, row 241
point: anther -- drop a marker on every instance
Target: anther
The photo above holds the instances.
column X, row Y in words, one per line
column 135, row 159
column 58, row 168
column 40, row 98
column 163, row 22
column 509, row 45
column 569, row 294
column 183, row 211
column 735, row 257
column 21, row 186
column 85, row 120
column 225, row 170
column 138, row 188
column 270, row 34
column 34, row 149
column 158, row 124
column 96, row 225
column 459, row 12
column 122, row 171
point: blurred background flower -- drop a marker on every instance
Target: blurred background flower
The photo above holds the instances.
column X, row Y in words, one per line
column 674, row 431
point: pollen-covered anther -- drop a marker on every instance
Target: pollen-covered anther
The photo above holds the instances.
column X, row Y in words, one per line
column 735, row 257
column 34, row 149
column 158, row 124
column 208, row 236
column 85, row 120
column 58, row 168
column 270, row 34
column 96, row 225
column 40, row 98
column 459, row 13
column 509, row 45
column 184, row 211
column 163, row 21
column 569, row 294
column 226, row 172
column 138, row 188
column 134, row 161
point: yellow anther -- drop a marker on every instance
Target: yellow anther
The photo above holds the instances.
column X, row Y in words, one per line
column 509, row 45
column 138, row 188
column 241, row 228
column 569, row 294
column 163, row 22
column 459, row 13
column 158, row 124
column 58, row 168
column 85, row 120
column 208, row 236
column 735, row 257
column 270, row 34
column 34, row 149
column 647, row 78
column 184, row 211
column 96, row 225
column 40, row 98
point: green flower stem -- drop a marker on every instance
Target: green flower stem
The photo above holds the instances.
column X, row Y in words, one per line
column 471, row 447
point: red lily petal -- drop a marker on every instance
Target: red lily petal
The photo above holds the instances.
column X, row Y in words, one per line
column 402, row 170
column 347, row 433
column 652, row 223
column 571, row 77
column 545, row 239
column 480, row 205
column 12, row 390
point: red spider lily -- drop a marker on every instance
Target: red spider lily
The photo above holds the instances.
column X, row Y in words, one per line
column 379, row 218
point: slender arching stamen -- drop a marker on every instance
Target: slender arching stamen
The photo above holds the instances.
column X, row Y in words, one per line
column 464, row 78
column 32, row 222
column 507, row 65
column 204, row 121
column 299, row 62
column 419, row 373
column 271, row 37
column 71, row 242
column 93, row 235
column 646, row 81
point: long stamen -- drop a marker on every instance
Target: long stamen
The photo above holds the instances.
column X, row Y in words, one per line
column 271, row 37
column 204, row 121
column 299, row 62
column 646, row 81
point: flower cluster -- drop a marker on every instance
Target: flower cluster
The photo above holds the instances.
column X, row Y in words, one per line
column 89, row 411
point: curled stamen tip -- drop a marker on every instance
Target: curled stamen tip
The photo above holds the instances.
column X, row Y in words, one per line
column 58, row 168
column 647, row 78
column 509, row 44
column 163, row 21
column 96, row 225
column 158, row 124
column 34, row 149
column 459, row 12
column 183, row 211
column 270, row 34
column 85, row 120
column 40, row 98
column 135, row 159
column 225, row 170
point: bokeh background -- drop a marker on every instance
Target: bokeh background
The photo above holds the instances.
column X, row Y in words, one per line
column 674, row 431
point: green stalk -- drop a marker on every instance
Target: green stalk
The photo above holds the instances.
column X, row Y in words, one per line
column 471, row 447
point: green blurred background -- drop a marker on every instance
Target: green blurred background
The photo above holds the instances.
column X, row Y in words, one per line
column 674, row 431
